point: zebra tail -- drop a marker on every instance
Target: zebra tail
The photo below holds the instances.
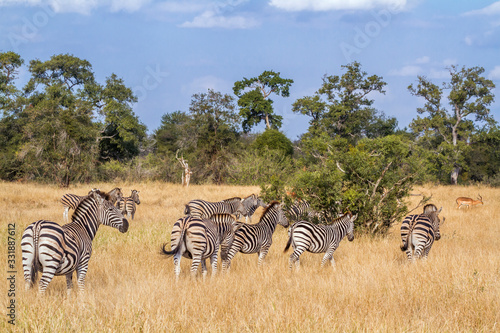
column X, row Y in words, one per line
column 35, row 266
column 187, row 210
column 168, row 253
column 404, row 247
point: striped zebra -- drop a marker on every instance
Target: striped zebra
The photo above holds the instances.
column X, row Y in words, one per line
column 419, row 231
column 257, row 238
column 205, row 209
column 319, row 238
column 70, row 200
column 250, row 205
column 128, row 204
column 301, row 209
column 52, row 249
column 199, row 239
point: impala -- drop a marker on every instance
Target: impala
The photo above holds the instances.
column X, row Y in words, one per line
column 463, row 201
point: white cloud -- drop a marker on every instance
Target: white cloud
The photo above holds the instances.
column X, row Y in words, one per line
column 439, row 74
column 210, row 19
column 202, row 84
column 495, row 73
column 493, row 9
column 410, row 70
column 423, row 60
column 327, row 5
column 182, row 6
column 80, row 6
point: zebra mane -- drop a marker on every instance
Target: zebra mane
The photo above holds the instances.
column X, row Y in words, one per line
column 103, row 195
column 82, row 206
column 271, row 205
column 231, row 199
column 338, row 219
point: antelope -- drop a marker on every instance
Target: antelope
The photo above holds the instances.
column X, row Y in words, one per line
column 463, row 201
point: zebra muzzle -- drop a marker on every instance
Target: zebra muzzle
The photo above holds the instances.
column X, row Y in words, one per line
column 124, row 226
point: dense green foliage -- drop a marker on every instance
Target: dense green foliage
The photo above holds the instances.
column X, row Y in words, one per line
column 63, row 126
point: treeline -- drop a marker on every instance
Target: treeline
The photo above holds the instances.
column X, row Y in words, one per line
column 63, row 126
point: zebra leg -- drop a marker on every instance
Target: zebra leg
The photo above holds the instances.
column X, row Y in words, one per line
column 195, row 264
column 262, row 254
column 203, row 268
column 30, row 271
column 69, row 283
column 213, row 262
column 329, row 256
column 177, row 265
column 47, row 276
column 295, row 257
column 81, row 273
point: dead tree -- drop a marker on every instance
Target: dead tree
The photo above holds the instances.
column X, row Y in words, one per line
column 186, row 174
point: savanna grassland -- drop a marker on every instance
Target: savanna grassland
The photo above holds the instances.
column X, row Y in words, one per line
column 131, row 287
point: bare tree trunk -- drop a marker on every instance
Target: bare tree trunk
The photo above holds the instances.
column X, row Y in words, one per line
column 267, row 122
column 454, row 175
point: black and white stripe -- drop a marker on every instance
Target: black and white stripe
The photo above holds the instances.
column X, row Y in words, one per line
column 128, row 204
column 70, row 200
column 205, row 209
column 199, row 239
column 301, row 209
column 60, row 250
column 257, row 238
column 319, row 238
column 419, row 231
column 250, row 205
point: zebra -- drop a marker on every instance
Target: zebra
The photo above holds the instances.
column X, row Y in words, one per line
column 419, row 231
column 319, row 238
column 199, row 239
column 205, row 209
column 70, row 200
column 300, row 209
column 257, row 238
column 60, row 250
column 128, row 204
column 250, row 205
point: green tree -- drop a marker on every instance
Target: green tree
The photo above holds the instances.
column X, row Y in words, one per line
column 371, row 179
column 272, row 139
column 11, row 122
column 449, row 132
column 215, row 127
column 122, row 132
column 254, row 102
column 341, row 107
column 52, row 127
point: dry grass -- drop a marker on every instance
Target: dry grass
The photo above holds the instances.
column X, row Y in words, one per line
column 131, row 287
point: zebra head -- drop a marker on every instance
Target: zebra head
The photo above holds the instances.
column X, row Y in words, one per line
column 436, row 221
column 108, row 214
column 282, row 219
column 135, row 196
column 261, row 202
column 115, row 194
column 350, row 227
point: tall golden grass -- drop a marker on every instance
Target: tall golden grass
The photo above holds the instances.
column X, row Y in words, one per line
column 130, row 287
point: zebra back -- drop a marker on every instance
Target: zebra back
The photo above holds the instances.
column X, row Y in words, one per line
column 205, row 209
column 419, row 231
column 250, row 238
column 71, row 200
column 319, row 238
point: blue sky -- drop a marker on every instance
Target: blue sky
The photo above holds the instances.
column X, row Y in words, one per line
column 166, row 51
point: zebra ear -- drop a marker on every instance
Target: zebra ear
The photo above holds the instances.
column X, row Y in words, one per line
column 440, row 209
column 354, row 218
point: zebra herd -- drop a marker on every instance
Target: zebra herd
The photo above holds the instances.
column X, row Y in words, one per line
column 207, row 226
